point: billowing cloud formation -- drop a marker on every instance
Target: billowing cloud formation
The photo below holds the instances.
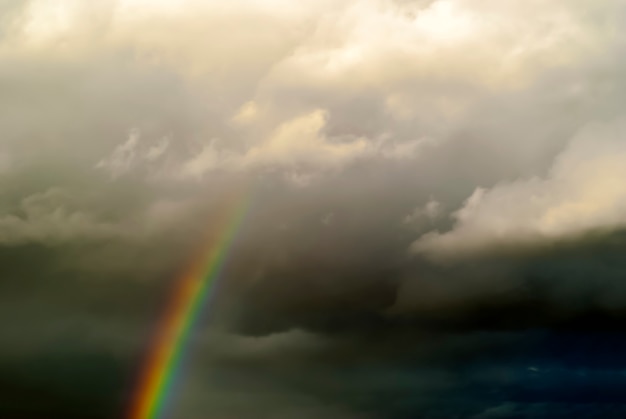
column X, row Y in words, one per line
column 48, row 217
column 429, row 181
column 583, row 191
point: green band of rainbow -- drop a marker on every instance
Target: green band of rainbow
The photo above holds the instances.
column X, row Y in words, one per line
column 183, row 312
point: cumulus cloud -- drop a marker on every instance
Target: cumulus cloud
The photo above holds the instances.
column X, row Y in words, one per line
column 297, row 145
column 132, row 154
column 353, row 127
column 122, row 157
column 429, row 212
column 51, row 217
column 583, row 191
column 385, row 114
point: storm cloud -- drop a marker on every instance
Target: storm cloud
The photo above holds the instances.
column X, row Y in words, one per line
column 436, row 191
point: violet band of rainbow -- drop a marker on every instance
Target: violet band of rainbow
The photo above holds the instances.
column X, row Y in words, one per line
column 193, row 289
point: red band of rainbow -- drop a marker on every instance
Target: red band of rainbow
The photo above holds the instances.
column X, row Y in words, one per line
column 182, row 314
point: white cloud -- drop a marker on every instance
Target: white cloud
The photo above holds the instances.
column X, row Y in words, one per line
column 372, row 43
column 297, row 67
column 157, row 150
column 247, row 113
column 427, row 213
column 123, row 156
column 297, row 143
column 584, row 190
column 132, row 153
column 305, row 89
column 211, row 157
column 301, row 148
column 301, row 141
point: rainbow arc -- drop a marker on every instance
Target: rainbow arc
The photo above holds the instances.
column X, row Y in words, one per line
column 193, row 290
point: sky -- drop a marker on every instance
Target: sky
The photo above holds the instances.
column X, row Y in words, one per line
column 437, row 216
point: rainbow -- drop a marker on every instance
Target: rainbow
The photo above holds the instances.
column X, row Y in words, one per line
column 193, row 288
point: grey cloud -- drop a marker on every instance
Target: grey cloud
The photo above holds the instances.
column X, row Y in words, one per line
column 361, row 111
column 49, row 218
column 492, row 126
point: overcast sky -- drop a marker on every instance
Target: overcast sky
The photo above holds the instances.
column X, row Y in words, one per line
column 437, row 189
